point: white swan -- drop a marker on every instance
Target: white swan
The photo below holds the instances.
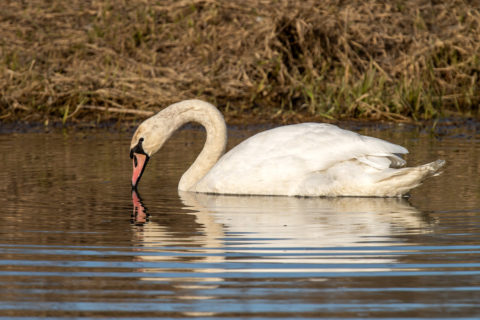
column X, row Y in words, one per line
column 309, row 159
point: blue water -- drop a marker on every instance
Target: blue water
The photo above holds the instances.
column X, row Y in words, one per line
column 73, row 243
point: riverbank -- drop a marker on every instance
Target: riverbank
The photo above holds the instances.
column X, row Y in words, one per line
column 281, row 61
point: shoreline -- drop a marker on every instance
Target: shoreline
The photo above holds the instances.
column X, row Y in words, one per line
column 437, row 128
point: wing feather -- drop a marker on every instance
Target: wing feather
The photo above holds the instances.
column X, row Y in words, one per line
column 322, row 145
column 292, row 152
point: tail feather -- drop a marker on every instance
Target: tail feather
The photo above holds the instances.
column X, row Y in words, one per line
column 435, row 167
column 405, row 179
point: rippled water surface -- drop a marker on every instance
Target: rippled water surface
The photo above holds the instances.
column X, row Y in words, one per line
column 69, row 247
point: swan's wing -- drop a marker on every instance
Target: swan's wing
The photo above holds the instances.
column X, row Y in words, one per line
column 320, row 144
column 291, row 152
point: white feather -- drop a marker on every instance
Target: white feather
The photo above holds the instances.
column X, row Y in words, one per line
column 308, row 159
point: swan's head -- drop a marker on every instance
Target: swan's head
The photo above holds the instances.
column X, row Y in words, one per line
column 147, row 139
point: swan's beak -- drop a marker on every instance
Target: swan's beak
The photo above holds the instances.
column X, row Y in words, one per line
column 140, row 161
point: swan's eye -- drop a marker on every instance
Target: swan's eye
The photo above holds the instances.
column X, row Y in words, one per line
column 141, row 139
column 135, row 161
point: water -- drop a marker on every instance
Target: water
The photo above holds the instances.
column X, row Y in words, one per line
column 70, row 248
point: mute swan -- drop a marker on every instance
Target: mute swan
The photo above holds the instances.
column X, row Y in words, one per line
column 308, row 159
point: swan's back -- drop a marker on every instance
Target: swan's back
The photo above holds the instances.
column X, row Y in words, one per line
column 320, row 143
column 308, row 159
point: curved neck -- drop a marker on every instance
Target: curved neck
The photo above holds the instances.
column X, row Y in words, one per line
column 209, row 117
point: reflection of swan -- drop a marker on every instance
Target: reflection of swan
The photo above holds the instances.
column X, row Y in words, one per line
column 308, row 159
column 282, row 226
column 311, row 222
column 238, row 242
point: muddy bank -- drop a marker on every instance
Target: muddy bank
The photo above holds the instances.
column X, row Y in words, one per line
column 462, row 127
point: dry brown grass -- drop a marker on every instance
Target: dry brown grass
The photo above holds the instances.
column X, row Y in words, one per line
column 394, row 60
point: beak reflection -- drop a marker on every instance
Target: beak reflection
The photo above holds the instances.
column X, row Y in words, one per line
column 139, row 215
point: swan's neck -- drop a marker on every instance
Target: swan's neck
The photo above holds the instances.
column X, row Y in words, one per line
column 209, row 117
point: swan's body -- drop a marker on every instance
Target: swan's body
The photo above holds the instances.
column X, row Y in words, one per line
column 309, row 159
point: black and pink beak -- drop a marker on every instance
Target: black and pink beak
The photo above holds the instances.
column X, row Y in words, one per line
column 140, row 160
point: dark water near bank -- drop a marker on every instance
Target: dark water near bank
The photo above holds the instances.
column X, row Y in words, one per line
column 69, row 249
